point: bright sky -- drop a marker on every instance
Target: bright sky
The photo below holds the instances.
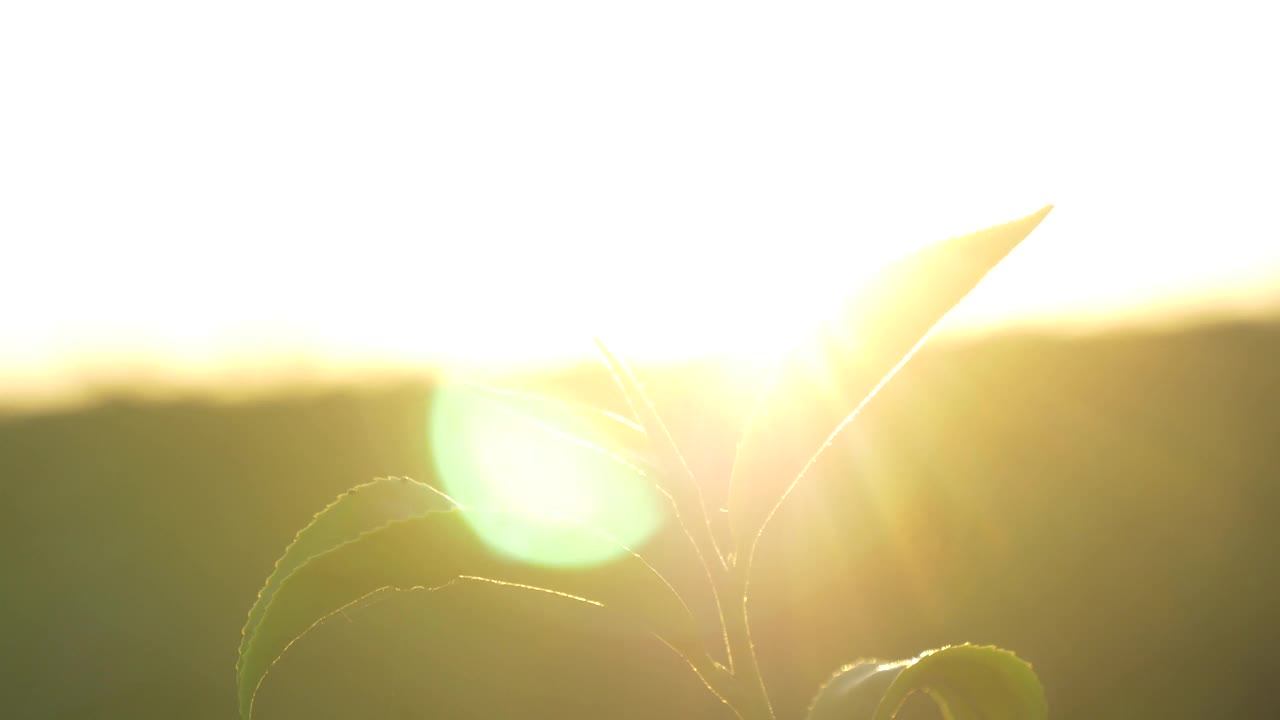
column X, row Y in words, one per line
column 197, row 187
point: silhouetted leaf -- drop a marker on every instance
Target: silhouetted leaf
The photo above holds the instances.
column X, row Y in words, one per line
column 438, row 548
column 360, row 509
column 824, row 382
column 966, row 682
column 854, row 692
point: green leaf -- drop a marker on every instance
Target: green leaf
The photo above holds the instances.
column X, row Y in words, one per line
column 823, row 383
column 438, row 548
column 966, row 682
column 360, row 509
column 854, row 692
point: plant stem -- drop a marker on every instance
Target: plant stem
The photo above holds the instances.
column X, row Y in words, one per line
column 751, row 697
column 744, row 687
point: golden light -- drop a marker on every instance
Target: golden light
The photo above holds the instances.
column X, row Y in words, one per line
column 489, row 455
column 462, row 188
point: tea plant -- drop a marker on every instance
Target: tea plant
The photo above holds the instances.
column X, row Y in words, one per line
column 397, row 533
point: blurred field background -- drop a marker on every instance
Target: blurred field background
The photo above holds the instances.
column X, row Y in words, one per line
column 1105, row 504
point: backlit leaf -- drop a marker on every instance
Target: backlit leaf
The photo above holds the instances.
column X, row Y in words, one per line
column 360, row 509
column 438, row 548
column 966, row 682
column 825, row 381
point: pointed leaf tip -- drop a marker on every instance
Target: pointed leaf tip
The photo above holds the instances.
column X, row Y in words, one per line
column 825, row 380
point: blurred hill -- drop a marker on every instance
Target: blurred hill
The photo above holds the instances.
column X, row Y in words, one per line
column 1106, row 506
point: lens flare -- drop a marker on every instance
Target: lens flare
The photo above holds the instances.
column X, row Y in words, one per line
column 487, row 455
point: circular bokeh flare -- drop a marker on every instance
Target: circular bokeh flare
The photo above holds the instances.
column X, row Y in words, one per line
column 490, row 456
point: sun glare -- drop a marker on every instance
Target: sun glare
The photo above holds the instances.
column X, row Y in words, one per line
column 464, row 188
